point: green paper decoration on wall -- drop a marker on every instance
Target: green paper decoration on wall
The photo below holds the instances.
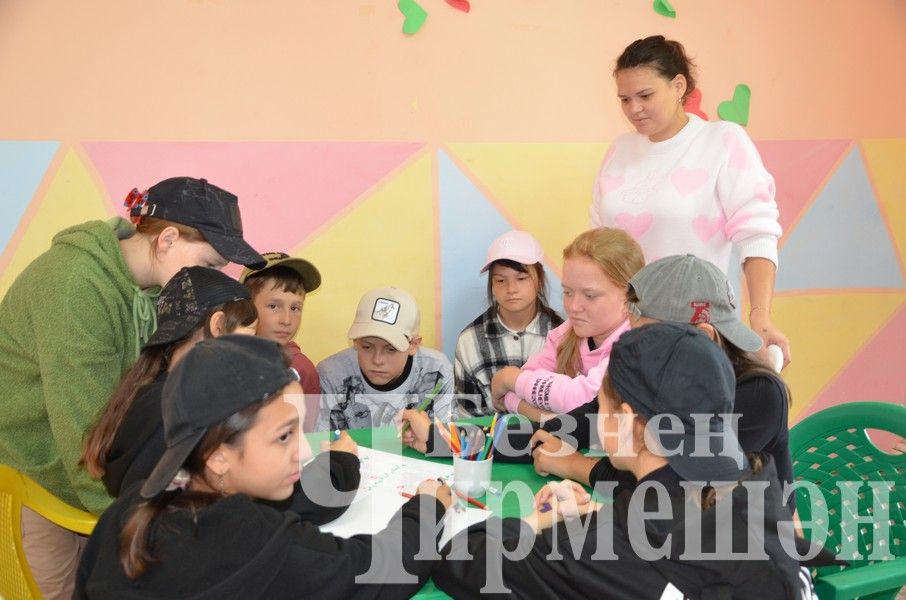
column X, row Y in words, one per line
column 737, row 109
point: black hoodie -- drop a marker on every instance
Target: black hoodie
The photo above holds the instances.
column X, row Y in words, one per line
column 239, row 548
column 565, row 562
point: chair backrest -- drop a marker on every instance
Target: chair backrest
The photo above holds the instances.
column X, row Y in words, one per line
column 833, row 446
column 16, row 491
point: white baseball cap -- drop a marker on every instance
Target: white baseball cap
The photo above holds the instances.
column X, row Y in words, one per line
column 388, row 313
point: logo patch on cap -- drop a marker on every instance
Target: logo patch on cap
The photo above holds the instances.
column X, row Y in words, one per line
column 385, row 311
column 701, row 312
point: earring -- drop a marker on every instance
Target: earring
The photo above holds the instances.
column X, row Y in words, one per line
column 220, row 483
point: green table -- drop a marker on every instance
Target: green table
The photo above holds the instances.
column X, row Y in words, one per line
column 504, row 504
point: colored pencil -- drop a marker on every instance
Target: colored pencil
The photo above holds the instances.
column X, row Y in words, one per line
column 423, row 405
column 471, row 501
column 454, row 435
column 442, row 432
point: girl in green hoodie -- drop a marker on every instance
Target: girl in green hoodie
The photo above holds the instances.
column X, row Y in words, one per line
column 73, row 321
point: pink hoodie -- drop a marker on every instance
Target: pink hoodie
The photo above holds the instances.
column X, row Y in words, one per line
column 541, row 385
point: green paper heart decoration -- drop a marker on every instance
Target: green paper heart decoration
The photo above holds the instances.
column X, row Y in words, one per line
column 737, row 109
column 662, row 7
column 414, row 15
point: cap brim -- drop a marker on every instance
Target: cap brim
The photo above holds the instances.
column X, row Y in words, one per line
column 169, row 332
column 739, row 335
column 519, row 258
column 390, row 334
column 234, row 249
column 726, row 463
column 311, row 277
column 172, row 461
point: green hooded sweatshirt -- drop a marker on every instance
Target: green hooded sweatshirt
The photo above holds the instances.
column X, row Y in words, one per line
column 70, row 326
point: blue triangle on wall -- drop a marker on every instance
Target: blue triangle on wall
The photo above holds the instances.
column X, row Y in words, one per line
column 469, row 222
column 22, row 167
column 842, row 241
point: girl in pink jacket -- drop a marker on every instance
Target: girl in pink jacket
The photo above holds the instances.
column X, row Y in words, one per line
column 568, row 371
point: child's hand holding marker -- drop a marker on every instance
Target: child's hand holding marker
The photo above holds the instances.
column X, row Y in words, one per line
column 559, row 500
column 414, row 428
column 423, row 405
column 342, row 442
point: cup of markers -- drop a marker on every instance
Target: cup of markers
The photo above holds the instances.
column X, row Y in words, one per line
column 473, row 455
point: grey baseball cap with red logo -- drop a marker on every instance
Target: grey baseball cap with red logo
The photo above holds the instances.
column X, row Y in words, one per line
column 213, row 211
column 688, row 289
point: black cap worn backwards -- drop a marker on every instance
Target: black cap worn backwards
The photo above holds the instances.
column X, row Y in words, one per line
column 215, row 380
column 188, row 297
column 675, row 369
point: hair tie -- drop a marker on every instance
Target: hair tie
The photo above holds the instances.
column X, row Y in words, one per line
column 180, row 481
column 134, row 201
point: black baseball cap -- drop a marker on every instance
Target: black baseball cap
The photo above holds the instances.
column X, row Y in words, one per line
column 215, row 380
column 675, row 369
column 188, row 297
column 213, row 211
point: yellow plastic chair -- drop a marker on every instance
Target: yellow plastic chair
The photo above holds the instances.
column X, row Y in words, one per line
column 18, row 490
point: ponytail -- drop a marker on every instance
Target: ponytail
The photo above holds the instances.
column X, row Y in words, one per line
column 136, row 551
column 151, row 362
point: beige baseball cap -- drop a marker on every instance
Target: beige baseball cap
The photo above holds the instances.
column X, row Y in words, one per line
column 388, row 313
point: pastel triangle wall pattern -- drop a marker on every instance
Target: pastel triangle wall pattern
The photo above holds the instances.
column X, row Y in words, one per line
column 469, row 222
column 799, row 168
column 22, row 167
column 847, row 226
column 54, row 212
column 517, row 177
column 875, row 373
column 886, row 161
column 386, row 239
column 825, row 331
column 286, row 190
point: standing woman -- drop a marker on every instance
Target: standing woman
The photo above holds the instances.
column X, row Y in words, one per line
column 681, row 185
column 73, row 321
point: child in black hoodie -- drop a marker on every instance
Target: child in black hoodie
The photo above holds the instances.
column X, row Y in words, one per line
column 194, row 529
column 668, row 534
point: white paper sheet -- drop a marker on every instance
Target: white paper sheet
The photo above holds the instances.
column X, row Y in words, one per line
column 385, row 477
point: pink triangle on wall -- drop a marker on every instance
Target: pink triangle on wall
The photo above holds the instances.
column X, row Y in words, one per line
column 800, row 168
column 874, row 374
column 286, row 190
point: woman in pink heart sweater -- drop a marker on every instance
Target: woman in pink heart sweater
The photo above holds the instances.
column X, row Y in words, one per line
column 684, row 185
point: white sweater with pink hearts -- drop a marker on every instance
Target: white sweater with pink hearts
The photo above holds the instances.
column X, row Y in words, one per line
column 701, row 192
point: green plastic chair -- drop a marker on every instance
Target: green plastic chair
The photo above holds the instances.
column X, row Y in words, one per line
column 832, row 446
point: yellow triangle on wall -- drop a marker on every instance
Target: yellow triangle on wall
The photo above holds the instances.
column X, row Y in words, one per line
column 826, row 331
column 517, row 178
column 386, row 239
column 71, row 198
column 886, row 160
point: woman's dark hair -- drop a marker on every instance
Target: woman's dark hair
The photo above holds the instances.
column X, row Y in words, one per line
column 745, row 363
column 667, row 57
column 136, row 551
column 151, row 362
column 541, row 300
